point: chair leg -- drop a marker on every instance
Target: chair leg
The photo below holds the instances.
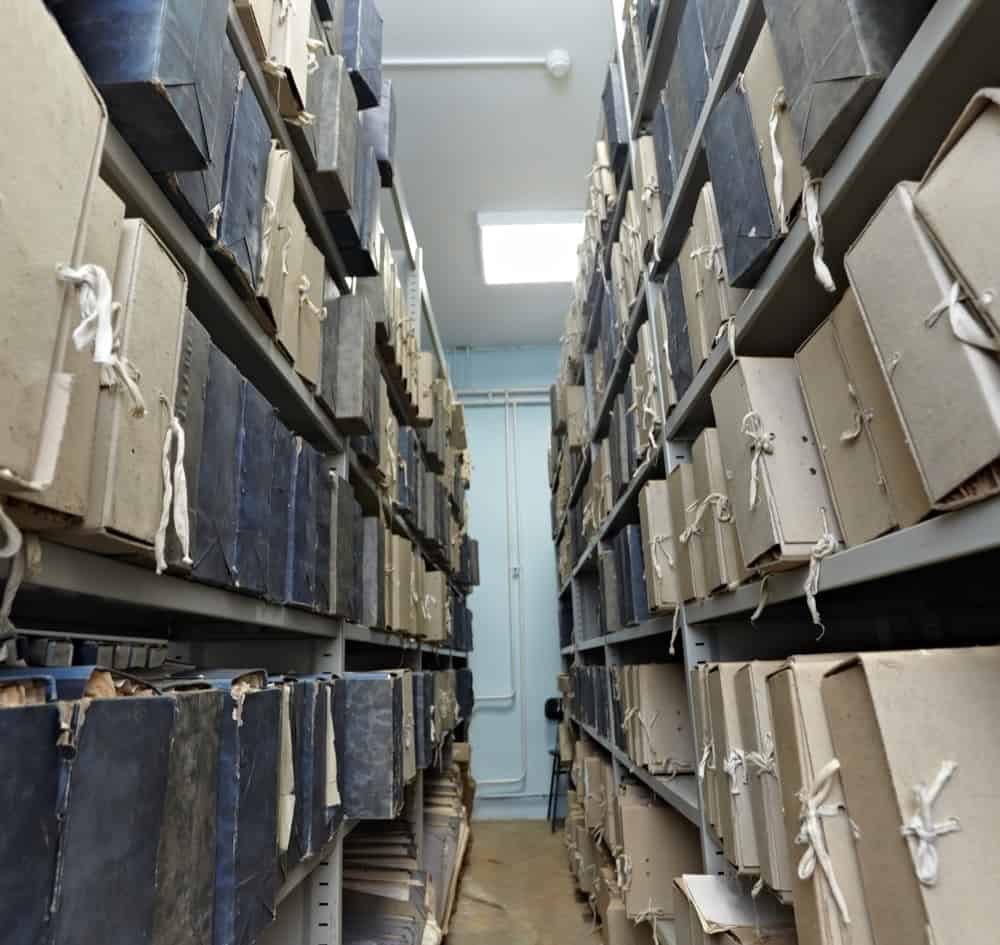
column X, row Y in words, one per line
column 553, row 794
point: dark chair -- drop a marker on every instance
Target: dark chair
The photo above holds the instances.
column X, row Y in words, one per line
column 554, row 713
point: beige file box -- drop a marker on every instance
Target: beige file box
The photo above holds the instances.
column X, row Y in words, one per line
column 873, row 479
column 922, row 721
column 777, row 489
column 126, row 488
column 435, row 605
column 54, row 122
column 398, row 583
column 664, row 719
column 612, row 818
column 649, row 189
column 666, row 583
column 293, row 249
column 312, row 314
column 70, row 490
column 713, row 910
column 739, row 840
column 256, row 15
column 276, row 230
column 690, row 546
column 708, row 767
column 811, row 784
column 946, row 390
column 754, row 711
column 287, row 63
column 709, row 300
column 425, row 388
column 658, row 843
column 959, row 206
column 577, row 432
column 713, row 515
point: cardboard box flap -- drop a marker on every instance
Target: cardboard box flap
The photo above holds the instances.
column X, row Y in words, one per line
column 721, row 906
column 914, row 734
column 981, row 101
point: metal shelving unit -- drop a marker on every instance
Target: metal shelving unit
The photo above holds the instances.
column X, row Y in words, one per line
column 946, row 63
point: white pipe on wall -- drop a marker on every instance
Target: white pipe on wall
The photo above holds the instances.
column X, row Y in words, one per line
column 468, row 62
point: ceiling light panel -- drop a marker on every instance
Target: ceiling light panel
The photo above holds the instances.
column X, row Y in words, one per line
column 530, row 248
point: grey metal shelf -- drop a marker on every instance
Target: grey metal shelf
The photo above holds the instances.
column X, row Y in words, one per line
column 617, row 215
column 680, row 792
column 659, row 58
column 660, row 625
column 355, row 633
column 568, row 650
column 944, row 65
column 129, row 589
column 959, row 534
column 638, row 314
column 233, row 327
column 299, row 873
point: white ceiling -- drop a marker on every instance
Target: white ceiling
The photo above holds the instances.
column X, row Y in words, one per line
column 493, row 139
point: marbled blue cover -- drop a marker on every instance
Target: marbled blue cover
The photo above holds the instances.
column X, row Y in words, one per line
column 687, row 86
column 362, row 42
column 253, row 535
column 678, row 341
column 716, row 21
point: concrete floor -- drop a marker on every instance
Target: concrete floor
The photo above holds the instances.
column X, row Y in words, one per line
column 517, row 890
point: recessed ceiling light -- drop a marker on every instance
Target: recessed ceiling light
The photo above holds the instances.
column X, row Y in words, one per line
column 530, row 248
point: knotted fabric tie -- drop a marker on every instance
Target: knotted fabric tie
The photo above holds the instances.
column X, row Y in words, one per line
column 735, row 762
column 963, row 324
column 761, row 443
column 727, row 328
column 214, row 219
column 779, row 104
column 429, row 601
column 811, row 835
column 675, row 630
column 922, row 832
column 22, row 561
column 764, row 760
column 651, row 190
column 814, row 219
column 762, row 601
column 267, row 225
column 824, row 547
column 706, row 760
column 175, row 497
column 723, row 514
column 96, row 330
column 656, row 546
column 305, row 285
column 861, row 417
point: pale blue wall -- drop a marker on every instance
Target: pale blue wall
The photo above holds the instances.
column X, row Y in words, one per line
column 509, row 505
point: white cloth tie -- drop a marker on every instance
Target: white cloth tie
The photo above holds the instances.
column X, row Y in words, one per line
column 779, row 105
column 764, row 760
column 705, row 762
column 814, row 219
column 656, row 546
column 824, row 547
column 761, row 443
column 922, row 832
column 811, row 835
column 96, row 329
column 175, row 499
column 963, row 324
column 723, row 514
column 736, row 761
column 675, row 630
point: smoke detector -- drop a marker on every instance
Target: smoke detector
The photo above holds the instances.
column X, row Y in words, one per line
column 559, row 63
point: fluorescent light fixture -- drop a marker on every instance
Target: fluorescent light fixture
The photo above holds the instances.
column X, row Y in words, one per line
column 530, row 248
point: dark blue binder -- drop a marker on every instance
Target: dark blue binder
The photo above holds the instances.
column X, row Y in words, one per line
column 253, row 535
column 716, row 22
column 324, row 515
column 687, row 86
column 197, row 194
column 246, row 849
column 663, row 147
column 29, row 831
column 243, row 188
column 637, row 572
column 302, row 560
column 353, row 229
column 114, row 780
column 379, row 130
column 678, row 340
column 615, row 123
column 156, row 64
column 281, row 507
column 215, row 521
column 362, row 47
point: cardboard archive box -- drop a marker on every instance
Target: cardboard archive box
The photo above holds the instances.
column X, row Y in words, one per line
column 779, row 495
column 47, row 199
column 707, row 768
column 760, row 766
column 690, row 547
column 658, row 843
column 816, row 820
column 874, row 481
column 664, row 718
column 944, row 389
column 913, row 733
column 712, row 910
column 312, row 313
column 738, row 837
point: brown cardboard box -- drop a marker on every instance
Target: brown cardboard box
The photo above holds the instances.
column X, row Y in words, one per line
column 69, row 492
column 288, row 56
column 593, row 791
column 708, row 768
column 810, row 783
column 59, row 124
column 312, row 314
column 944, row 389
column 664, row 719
column 721, row 552
column 709, row 299
column 761, row 769
column 922, row 721
column 577, row 433
column 664, row 580
column 781, row 526
column 713, row 909
column 649, row 189
column 612, row 818
column 435, row 602
column 738, row 837
column 960, row 209
column 690, row 554
column 875, row 483
column 659, row 843
column 398, row 583
column 123, row 510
